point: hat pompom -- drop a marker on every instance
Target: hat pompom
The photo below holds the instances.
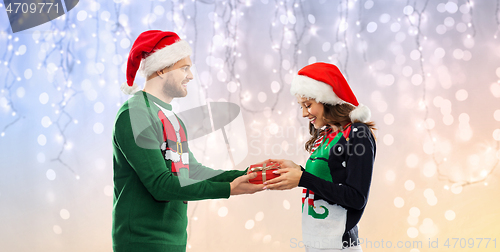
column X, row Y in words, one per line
column 129, row 90
column 361, row 113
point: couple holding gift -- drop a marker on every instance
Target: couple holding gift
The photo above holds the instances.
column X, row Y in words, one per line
column 155, row 174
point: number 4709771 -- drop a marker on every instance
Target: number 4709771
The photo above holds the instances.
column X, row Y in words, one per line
column 470, row 243
column 31, row 8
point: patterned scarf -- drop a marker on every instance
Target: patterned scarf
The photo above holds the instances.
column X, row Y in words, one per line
column 322, row 135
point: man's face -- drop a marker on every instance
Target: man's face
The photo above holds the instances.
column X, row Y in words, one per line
column 177, row 77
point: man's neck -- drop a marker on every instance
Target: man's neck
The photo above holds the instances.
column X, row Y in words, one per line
column 155, row 90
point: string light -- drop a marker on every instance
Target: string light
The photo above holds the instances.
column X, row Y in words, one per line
column 341, row 35
column 10, row 80
column 470, row 6
column 416, row 22
column 497, row 19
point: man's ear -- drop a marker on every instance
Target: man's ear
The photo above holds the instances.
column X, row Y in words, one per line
column 158, row 72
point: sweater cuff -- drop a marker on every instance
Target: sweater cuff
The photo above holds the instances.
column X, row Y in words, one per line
column 227, row 190
column 220, row 190
column 306, row 180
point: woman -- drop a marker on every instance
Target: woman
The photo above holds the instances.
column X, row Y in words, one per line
column 338, row 173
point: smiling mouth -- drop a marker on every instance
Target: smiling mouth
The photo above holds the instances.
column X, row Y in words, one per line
column 312, row 120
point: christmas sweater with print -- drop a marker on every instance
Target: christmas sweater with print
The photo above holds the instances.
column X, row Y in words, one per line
column 337, row 179
column 155, row 175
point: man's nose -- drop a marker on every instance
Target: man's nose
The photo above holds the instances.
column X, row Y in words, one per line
column 190, row 75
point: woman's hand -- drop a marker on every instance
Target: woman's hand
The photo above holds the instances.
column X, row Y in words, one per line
column 285, row 163
column 289, row 178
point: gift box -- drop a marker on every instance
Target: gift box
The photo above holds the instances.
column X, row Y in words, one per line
column 264, row 172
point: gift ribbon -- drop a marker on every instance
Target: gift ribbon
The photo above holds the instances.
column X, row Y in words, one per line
column 264, row 173
column 263, row 169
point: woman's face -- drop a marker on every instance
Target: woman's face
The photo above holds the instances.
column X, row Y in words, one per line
column 313, row 111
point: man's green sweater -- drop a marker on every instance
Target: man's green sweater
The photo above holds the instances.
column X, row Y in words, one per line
column 148, row 209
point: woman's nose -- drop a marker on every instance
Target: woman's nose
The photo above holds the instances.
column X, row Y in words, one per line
column 305, row 113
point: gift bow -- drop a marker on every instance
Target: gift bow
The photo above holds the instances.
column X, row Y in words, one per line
column 264, row 168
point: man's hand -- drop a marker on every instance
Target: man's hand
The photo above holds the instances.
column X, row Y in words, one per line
column 289, row 178
column 240, row 185
column 285, row 163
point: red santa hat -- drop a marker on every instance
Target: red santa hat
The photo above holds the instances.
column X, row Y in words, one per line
column 152, row 51
column 325, row 83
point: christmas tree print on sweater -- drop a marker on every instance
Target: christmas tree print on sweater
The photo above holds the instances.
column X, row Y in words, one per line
column 317, row 165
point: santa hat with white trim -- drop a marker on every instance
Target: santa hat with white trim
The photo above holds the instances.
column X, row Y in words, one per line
column 152, row 51
column 325, row 83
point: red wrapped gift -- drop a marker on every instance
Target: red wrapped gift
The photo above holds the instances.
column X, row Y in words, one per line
column 264, row 172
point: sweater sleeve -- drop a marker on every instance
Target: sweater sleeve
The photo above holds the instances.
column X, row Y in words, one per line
column 199, row 171
column 359, row 167
column 143, row 154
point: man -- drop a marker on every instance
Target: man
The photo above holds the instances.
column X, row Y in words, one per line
column 155, row 174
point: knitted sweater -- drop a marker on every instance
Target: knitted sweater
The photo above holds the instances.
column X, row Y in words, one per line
column 337, row 177
column 154, row 178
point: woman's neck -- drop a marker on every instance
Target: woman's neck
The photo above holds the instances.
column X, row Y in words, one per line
column 344, row 125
